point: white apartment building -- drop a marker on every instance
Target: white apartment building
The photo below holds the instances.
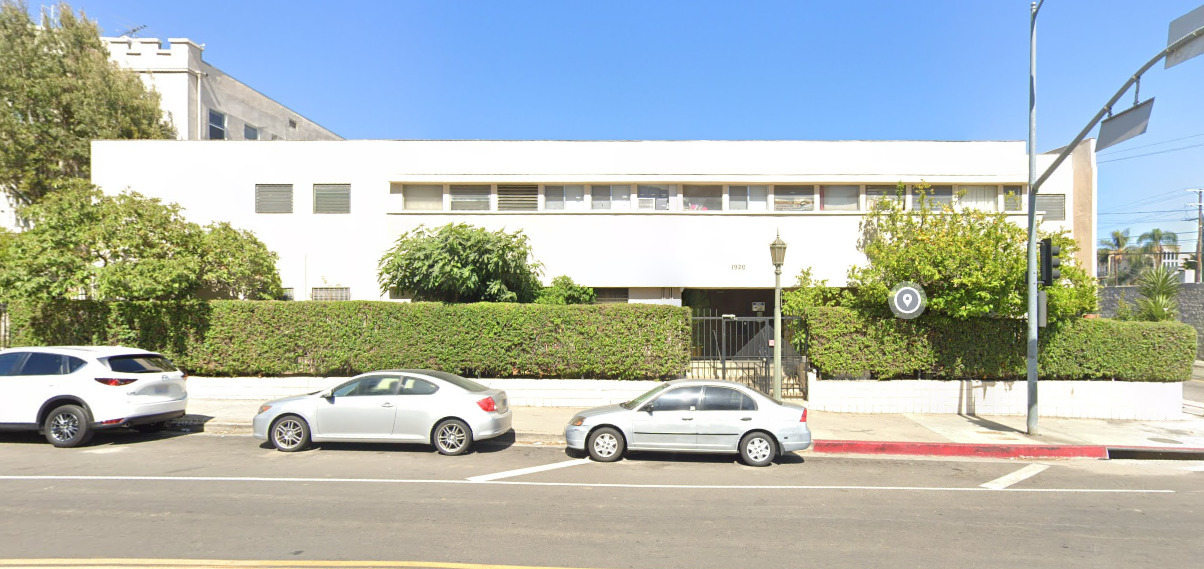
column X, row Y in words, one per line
column 201, row 101
column 641, row 221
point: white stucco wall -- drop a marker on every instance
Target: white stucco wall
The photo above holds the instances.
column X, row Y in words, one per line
column 645, row 251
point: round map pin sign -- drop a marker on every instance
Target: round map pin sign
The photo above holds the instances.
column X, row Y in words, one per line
column 907, row 300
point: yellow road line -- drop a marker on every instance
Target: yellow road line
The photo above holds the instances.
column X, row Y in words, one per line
column 236, row 564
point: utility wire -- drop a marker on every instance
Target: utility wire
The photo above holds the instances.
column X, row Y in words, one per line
column 1152, row 153
column 1113, row 152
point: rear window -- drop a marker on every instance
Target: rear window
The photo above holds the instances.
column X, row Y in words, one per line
column 456, row 380
column 141, row 363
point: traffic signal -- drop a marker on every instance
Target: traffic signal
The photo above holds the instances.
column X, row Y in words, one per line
column 1050, row 262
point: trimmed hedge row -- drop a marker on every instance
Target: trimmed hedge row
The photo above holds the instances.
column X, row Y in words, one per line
column 843, row 343
column 236, row 338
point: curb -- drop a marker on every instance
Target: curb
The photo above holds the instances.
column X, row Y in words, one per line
column 961, row 449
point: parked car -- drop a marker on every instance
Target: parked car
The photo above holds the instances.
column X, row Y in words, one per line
column 398, row 406
column 693, row 416
column 68, row 393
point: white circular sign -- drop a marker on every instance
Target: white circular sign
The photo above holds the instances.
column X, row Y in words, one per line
column 907, row 300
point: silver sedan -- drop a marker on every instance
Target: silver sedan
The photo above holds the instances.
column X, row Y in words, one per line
column 399, row 406
column 693, row 416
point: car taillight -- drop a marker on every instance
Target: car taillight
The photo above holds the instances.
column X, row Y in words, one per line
column 804, row 418
column 115, row 382
column 487, row 404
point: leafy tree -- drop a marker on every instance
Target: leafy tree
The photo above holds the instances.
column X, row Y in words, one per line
column 565, row 291
column 461, row 263
column 84, row 244
column 970, row 262
column 58, row 92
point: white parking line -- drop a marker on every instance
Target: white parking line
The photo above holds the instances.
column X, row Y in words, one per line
column 1022, row 474
column 532, row 470
column 568, row 484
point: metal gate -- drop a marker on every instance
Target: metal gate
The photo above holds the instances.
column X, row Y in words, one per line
column 739, row 348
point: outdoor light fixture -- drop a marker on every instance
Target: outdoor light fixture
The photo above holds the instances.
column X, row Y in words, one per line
column 777, row 253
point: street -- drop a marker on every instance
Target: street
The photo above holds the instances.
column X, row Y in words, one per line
column 227, row 497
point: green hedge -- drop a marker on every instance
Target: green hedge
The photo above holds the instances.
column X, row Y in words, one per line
column 843, row 343
column 237, row 338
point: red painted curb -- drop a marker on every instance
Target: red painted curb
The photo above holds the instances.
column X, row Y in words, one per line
column 961, row 449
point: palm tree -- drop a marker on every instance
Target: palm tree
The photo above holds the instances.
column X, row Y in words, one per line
column 1153, row 241
column 1112, row 252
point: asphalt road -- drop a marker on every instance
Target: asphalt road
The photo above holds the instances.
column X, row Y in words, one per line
column 212, row 497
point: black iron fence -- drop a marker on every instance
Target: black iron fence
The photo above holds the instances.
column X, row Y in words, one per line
column 4, row 341
column 740, row 348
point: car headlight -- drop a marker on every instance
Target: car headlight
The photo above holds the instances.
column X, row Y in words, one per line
column 264, row 408
column 577, row 421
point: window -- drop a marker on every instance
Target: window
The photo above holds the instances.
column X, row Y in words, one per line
column 840, row 198
column 249, row 132
column 610, row 295
column 420, row 196
column 217, row 125
column 794, row 198
column 330, row 293
column 332, row 198
column 367, row 386
column 470, row 198
column 725, row 399
column 613, row 197
column 415, row 386
column 43, row 364
column 141, row 363
column 10, row 363
column 680, row 399
column 985, row 198
column 1013, row 198
column 702, row 198
column 569, row 198
column 292, row 123
column 273, row 198
column 1053, row 206
column 654, row 196
column 879, row 193
column 742, row 198
column 289, row 294
column 517, row 198
column 937, row 196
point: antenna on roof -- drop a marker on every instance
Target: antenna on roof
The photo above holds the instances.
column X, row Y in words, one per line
column 132, row 32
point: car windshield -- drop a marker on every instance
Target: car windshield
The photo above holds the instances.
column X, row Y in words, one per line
column 464, row 383
column 641, row 399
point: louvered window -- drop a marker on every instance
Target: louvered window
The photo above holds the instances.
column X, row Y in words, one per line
column 332, row 198
column 1053, row 206
column 611, row 295
column 273, row 198
column 517, row 198
column 330, row 293
column 470, row 198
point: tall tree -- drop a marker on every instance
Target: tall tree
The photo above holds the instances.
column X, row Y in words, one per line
column 1113, row 250
column 1155, row 241
column 461, row 263
column 58, row 92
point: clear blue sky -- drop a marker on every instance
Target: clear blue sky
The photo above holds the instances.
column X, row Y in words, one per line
column 920, row 69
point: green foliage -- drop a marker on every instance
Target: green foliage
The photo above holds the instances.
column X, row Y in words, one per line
column 810, row 292
column 844, row 343
column 461, row 263
column 234, row 338
column 971, row 263
column 83, row 243
column 1159, row 290
column 565, row 291
column 58, row 92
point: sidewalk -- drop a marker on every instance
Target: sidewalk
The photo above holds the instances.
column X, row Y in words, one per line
column 852, row 433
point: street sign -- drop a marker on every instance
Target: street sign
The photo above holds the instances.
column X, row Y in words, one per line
column 907, row 300
column 1123, row 126
column 1181, row 27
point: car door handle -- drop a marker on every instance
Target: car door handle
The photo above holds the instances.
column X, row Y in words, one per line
column 386, row 404
column 687, row 418
column 746, row 418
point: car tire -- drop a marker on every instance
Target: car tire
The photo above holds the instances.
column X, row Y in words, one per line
column 289, row 433
column 758, row 449
column 606, row 444
column 452, row 437
column 150, row 428
column 68, row 426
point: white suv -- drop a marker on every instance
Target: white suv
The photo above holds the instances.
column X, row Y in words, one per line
column 70, row 392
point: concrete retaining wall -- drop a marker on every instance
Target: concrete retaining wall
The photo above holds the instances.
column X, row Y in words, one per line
column 1073, row 399
column 1191, row 306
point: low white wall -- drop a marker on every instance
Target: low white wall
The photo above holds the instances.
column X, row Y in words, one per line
column 1074, row 399
column 521, row 392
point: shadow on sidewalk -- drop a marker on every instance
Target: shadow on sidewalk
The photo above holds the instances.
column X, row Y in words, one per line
column 992, row 425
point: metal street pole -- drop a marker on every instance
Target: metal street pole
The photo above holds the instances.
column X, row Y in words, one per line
column 1032, row 219
column 777, row 254
column 1199, row 232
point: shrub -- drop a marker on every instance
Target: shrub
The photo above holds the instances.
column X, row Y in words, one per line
column 842, row 342
column 235, row 338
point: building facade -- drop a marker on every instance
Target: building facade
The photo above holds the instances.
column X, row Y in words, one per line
column 641, row 221
column 201, row 101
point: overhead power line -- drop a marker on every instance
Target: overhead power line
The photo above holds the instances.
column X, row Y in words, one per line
column 1152, row 153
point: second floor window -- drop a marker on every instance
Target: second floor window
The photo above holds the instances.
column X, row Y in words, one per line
column 469, row 198
column 217, row 125
column 612, row 196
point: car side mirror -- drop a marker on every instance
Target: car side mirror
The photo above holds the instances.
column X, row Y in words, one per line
column 327, row 395
column 647, row 408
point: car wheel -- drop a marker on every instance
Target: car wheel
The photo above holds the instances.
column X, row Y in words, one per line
column 151, row 427
column 758, row 449
column 606, row 445
column 68, row 426
column 289, row 433
column 452, row 437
